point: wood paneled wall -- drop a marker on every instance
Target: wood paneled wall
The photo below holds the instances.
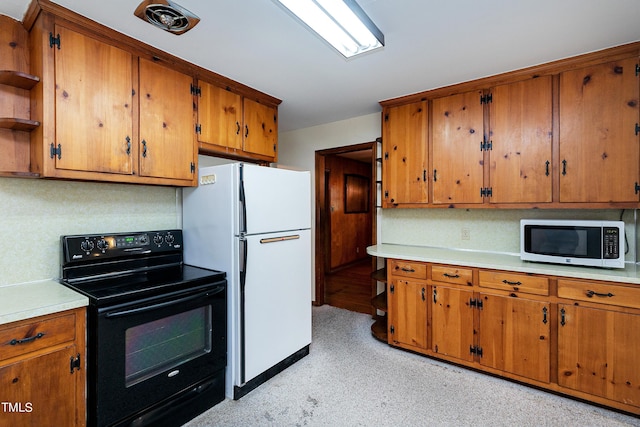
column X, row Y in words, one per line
column 350, row 232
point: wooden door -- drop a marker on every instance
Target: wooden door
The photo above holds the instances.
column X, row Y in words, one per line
column 260, row 128
column 514, row 336
column 405, row 154
column 44, row 389
column 93, row 101
column 408, row 313
column 598, row 352
column 452, row 322
column 520, row 137
column 219, row 116
column 167, row 125
column 457, row 156
column 599, row 144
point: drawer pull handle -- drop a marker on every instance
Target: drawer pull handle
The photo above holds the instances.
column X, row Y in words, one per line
column 408, row 270
column 511, row 283
column 26, row 340
column 451, row 276
column 590, row 294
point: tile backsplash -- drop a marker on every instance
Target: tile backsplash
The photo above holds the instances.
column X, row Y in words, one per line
column 494, row 230
column 34, row 213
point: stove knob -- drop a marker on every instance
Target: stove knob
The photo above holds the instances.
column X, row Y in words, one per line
column 103, row 245
column 157, row 239
column 86, row 245
column 144, row 239
column 169, row 239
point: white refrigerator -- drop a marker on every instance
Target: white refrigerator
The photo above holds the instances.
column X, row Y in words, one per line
column 254, row 223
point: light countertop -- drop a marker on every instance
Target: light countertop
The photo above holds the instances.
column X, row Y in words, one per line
column 27, row 300
column 500, row 261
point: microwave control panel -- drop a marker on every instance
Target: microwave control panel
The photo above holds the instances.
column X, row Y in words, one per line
column 610, row 243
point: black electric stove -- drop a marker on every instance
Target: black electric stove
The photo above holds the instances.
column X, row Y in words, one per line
column 156, row 328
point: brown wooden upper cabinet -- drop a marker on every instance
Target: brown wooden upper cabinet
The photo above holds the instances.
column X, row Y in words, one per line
column 559, row 135
column 599, row 151
column 167, row 138
column 108, row 115
column 405, row 154
column 519, row 143
column 457, row 140
column 229, row 123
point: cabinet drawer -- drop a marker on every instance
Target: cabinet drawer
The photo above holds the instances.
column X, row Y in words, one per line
column 515, row 282
column 451, row 274
column 600, row 292
column 417, row 270
column 24, row 337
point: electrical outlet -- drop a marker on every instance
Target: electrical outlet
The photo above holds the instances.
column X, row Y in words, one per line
column 465, row 234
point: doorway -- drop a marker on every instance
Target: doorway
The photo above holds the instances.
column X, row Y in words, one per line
column 345, row 226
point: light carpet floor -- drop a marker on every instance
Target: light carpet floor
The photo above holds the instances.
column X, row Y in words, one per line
column 351, row 379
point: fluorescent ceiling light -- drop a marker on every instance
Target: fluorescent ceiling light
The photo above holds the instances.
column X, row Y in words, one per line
column 342, row 23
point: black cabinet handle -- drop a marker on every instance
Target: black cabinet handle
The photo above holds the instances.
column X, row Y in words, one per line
column 544, row 315
column 451, row 276
column 546, row 168
column 423, row 297
column 408, row 270
column 27, row 340
column 237, row 128
column 144, row 148
column 435, row 175
column 562, row 318
column 511, row 283
column 591, row 294
column 564, row 167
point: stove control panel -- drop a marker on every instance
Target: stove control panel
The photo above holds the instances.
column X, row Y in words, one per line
column 90, row 246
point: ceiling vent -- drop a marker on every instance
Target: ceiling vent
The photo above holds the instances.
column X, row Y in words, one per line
column 167, row 15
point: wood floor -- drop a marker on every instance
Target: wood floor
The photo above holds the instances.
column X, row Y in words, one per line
column 350, row 287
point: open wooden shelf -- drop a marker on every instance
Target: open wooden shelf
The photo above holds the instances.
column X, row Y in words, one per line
column 18, row 124
column 18, row 79
column 379, row 328
column 379, row 302
column 380, row 275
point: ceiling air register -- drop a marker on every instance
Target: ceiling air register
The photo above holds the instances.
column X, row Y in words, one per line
column 167, row 15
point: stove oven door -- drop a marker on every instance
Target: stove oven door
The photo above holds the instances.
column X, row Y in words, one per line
column 148, row 352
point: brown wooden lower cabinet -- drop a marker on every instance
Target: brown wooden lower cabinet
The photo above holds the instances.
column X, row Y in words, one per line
column 569, row 336
column 42, row 371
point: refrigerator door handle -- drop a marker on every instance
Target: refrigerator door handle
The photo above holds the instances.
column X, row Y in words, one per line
column 243, row 204
column 280, row 239
column 243, row 278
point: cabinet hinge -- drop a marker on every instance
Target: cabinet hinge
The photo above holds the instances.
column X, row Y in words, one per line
column 637, row 188
column 486, row 146
column 476, row 350
column 386, row 155
column 74, row 363
column 386, row 117
column 193, row 167
column 475, row 303
column 637, row 128
column 386, row 194
column 392, row 329
column 195, row 90
column 485, row 99
column 392, row 289
column 275, row 148
column 56, row 151
column 54, row 41
column 198, row 128
column 486, row 192
column 637, row 70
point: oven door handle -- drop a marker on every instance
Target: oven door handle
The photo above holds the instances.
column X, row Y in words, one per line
column 146, row 308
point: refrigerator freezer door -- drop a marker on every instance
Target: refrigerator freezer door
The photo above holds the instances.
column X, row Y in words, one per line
column 277, row 298
column 276, row 199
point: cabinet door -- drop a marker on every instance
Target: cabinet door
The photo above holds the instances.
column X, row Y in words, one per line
column 514, row 336
column 407, row 307
column 219, row 117
column 520, row 136
column 260, row 128
column 405, row 148
column 41, row 391
column 599, row 145
column 167, row 125
column 598, row 352
column 452, row 322
column 457, row 158
column 94, row 125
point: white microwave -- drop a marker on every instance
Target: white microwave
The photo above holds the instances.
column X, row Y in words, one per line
column 580, row 242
